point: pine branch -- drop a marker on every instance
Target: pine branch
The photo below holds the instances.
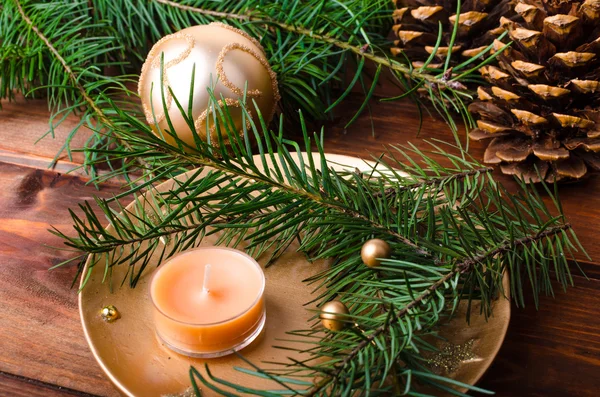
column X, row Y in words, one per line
column 363, row 51
column 251, row 173
column 57, row 55
column 310, row 45
column 459, row 268
column 453, row 231
column 75, row 81
column 391, row 192
column 338, row 369
column 467, row 265
column 332, row 205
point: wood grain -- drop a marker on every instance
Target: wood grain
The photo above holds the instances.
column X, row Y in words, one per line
column 551, row 352
column 24, row 122
column 39, row 327
column 554, row 351
column 15, row 386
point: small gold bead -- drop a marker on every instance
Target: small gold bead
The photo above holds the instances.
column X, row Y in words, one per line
column 333, row 315
column 110, row 314
column 373, row 250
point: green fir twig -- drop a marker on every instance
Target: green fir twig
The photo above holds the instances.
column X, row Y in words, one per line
column 454, row 231
column 83, row 52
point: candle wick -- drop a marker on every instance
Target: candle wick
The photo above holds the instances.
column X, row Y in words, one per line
column 206, row 276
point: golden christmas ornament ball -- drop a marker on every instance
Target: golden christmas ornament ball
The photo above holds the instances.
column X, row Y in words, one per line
column 373, row 250
column 333, row 315
column 225, row 59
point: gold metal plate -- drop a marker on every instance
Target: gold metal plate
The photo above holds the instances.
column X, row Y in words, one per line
column 139, row 365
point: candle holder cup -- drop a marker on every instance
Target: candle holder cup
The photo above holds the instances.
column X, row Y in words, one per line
column 210, row 339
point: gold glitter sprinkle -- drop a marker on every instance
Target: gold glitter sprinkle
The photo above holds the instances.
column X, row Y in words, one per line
column 189, row 392
column 450, row 356
column 155, row 221
column 152, row 217
column 250, row 93
column 272, row 74
column 221, row 73
column 237, row 90
column 232, row 103
column 241, row 33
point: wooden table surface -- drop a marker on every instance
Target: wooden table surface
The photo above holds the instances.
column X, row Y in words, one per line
column 554, row 351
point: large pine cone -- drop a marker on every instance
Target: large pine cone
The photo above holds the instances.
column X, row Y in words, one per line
column 417, row 26
column 543, row 110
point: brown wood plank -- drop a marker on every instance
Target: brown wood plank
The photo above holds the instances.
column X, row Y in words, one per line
column 554, row 351
column 24, row 122
column 39, row 162
column 551, row 352
column 15, row 386
column 40, row 330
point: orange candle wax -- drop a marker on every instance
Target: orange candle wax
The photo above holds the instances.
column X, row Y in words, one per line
column 208, row 301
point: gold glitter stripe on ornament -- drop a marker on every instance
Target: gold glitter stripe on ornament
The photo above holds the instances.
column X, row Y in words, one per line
column 241, row 33
column 221, row 72
column 276, row 96
column 233, row 103
column 272, row 74
column 153, row 61
column 250, row 93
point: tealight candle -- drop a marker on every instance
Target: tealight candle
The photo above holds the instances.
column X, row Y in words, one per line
column 208, row 302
